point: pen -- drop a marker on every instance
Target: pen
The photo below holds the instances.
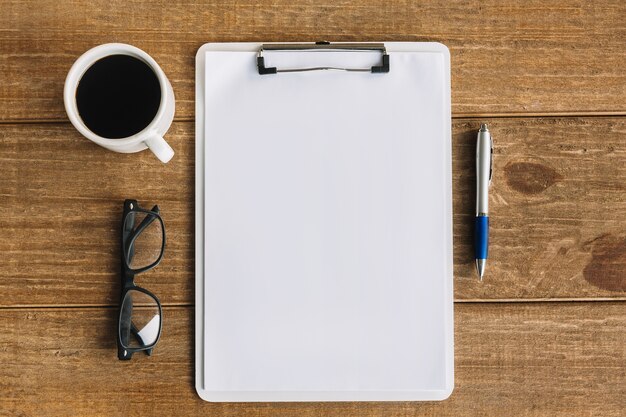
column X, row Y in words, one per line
column 484, row 153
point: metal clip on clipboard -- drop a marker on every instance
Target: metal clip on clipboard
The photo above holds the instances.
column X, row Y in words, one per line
column 323, row 46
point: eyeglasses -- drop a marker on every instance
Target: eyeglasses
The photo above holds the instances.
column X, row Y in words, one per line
column 140, row 316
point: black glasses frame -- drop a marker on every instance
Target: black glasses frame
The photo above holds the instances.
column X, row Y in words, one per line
column 129, row 235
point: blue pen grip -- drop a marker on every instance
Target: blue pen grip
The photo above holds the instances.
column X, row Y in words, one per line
column 481, row 237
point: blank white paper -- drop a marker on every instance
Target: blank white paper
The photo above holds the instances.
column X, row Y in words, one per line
column 327, row 228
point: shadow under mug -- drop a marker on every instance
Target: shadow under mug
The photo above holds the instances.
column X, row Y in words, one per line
column 152, row 135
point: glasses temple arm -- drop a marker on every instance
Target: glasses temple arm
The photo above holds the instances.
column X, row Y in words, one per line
column 147, row 221
column 135, row 333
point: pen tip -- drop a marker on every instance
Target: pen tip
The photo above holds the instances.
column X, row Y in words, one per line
column 480, row 267
column 484, row 128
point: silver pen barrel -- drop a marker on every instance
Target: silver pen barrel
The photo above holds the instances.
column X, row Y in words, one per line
column 484, row 147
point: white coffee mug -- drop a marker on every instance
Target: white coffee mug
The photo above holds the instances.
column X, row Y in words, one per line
column 152, row 135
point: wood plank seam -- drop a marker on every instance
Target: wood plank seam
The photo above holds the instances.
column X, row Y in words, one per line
column 456, row 117
column 52, row 307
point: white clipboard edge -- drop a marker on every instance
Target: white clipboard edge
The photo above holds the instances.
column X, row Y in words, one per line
column 225, row 396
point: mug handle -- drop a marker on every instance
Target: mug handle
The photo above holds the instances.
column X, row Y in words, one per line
column 160, row 147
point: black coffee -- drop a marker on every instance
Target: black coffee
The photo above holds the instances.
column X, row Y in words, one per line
column 118, row 96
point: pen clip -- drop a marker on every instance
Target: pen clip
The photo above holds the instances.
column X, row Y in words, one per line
column 490, row 159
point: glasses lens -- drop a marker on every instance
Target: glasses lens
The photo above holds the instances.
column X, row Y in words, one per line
column 145, row 241
column 140, row 320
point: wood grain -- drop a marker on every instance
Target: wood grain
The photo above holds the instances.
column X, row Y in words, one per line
column 557, row 212
column 537, row 359
column 534, row 57
column 557, row 203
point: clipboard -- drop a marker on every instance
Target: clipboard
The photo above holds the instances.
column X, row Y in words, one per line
column 323, row 222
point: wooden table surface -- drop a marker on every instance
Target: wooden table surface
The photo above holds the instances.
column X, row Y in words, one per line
column 545, row 334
